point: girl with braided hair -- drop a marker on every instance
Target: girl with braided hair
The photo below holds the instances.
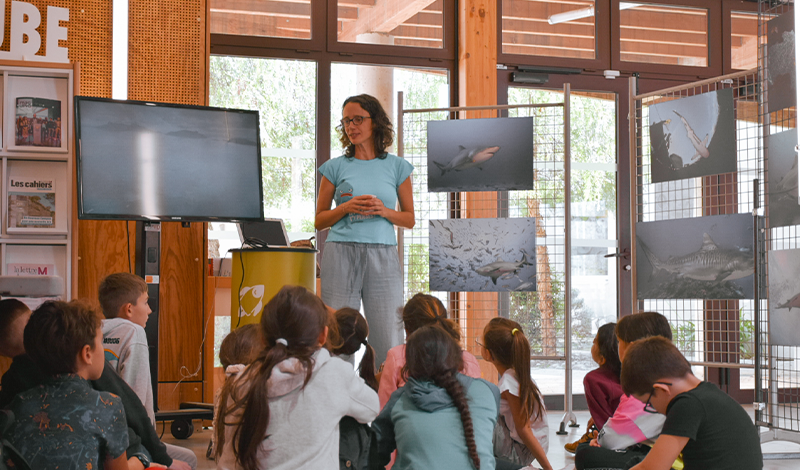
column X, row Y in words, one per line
column 282, row 412
column 522, row 432
column 421, row 310
column 440, row 418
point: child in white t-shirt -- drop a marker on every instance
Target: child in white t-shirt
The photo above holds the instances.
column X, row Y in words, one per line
column 522, row 433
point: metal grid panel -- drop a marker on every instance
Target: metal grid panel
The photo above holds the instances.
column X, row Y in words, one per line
column 541, row 313
column 780, row 363
column 709, row 332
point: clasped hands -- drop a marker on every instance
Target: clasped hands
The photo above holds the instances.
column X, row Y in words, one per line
column 364, row 205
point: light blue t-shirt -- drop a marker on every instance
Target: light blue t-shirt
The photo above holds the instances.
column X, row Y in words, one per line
column 379, row 177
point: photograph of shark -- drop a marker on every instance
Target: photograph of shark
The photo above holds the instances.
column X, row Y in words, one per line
column 482, row 255
column 783, row 208
column 693, row 136
column 784, row 297
column 781, row 80
column 697, row 258
column 480, row 154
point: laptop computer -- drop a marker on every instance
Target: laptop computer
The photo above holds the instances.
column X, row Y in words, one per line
column 267, row 233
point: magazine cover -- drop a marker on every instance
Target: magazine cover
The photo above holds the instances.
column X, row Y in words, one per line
column 31, row 203
column 38, row 122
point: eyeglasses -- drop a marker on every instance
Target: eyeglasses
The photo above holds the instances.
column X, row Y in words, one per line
column 479, row 343
column 648, row 407
column 357, row 120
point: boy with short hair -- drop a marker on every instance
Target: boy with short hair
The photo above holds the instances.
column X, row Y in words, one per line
column 629, row 432
column 123, row 297
column 709, row 427
column 14, row 316
column 66, row 423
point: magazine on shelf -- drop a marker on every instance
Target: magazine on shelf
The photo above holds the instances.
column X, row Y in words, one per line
column 37, row 122
column 31, row 203
column 30, row 269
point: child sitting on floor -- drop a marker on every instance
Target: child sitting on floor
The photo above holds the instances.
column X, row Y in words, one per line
column 440, row 419
column 522, row 433
column 355, row 437
column 711, row 430
column 239, row 348
column 65, row 423
column 282, row 411
column 601, row 385
column 630, row 431
column 421, row 310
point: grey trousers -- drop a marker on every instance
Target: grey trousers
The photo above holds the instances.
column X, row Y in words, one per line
column 182, row 453
column 353, row 273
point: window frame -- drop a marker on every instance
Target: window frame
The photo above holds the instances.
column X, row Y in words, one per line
column 646, row 69
column 728, row 8
column 446, row 52
column 602, row 45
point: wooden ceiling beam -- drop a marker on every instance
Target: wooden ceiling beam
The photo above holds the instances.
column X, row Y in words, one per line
column 382, row 18
column 547, row 52
column 413, row 32
column 417, row 43
column 260, row 25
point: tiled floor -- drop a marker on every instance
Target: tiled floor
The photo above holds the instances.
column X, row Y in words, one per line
column 559, row 458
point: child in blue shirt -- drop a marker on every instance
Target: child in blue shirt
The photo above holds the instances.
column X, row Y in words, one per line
column 66, row 424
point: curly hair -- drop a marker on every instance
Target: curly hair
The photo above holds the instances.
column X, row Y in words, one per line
column 382, row 128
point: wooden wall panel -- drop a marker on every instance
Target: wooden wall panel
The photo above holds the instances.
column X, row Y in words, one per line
column 170, row 395
column 167, row 51
column 103, row 249
column 183, row 258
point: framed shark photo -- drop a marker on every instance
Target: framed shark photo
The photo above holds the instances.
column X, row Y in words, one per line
column 781, row 81
column 480, row 154
column 697, row 258
column 783, row 207
column 482, row 255
column 691, row 137
column 784, row 297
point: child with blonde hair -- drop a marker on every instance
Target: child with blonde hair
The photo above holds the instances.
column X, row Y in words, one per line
column 522, row 433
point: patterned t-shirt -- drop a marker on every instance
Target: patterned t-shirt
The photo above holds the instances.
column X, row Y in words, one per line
column 68, row 425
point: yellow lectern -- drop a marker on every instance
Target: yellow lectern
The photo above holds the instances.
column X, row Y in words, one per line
column 259, row 273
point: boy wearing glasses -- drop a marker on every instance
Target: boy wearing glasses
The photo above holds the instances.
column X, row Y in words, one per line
column 705, row 424
column 627, row 435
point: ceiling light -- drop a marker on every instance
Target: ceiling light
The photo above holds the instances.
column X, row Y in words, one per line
column 584, row 13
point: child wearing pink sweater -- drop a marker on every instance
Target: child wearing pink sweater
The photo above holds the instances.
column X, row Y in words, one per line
column 421, row 310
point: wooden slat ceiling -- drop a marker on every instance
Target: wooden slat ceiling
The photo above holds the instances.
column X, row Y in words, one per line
column 649, row 33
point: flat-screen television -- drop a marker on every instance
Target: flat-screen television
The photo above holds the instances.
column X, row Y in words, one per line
column 139, row 160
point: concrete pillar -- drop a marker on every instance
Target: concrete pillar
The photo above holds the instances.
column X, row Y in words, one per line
column 377, row 81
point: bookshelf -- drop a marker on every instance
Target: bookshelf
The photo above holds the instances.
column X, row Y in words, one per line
column 37, row 232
